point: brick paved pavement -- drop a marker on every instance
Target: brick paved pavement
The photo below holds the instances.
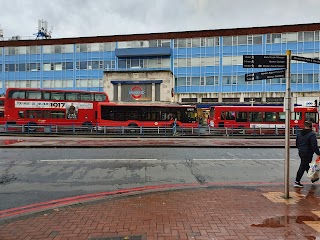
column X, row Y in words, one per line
column 212, row 212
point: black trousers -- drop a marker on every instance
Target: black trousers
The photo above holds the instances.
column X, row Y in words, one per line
column 306, row 158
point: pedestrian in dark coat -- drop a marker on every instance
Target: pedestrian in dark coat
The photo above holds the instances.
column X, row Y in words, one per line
column 307, row 145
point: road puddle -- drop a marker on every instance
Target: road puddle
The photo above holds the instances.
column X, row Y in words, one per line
column 282, row 221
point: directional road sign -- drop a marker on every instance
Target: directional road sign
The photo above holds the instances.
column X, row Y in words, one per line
column 264, row 61
column 304, row 59
column 265, row 75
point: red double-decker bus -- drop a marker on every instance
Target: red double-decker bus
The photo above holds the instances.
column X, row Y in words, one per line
column 2, row 119
column 147, row 115
column 260, row 117
column 29, row 106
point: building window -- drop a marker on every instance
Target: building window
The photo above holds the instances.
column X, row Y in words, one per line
column 22, row 67
column 275, row 99
column 196, row 42
column 227, row 41
column 205, row 100
column 189, row 100
column 182, row 43
column 57, row 48
column 213, row 41
column 10, row 51
column 308, row 36
column 257, row 39
column 109, row 46
column 274, row 38
column 68, row 48
column 82, row 48
column 252, row 99
column 230, row 99
column 46, row 49
column 243, row 40
column 180, row 81
column 83, row 65
column 289, row 37
column 10, row 67
column 195, row 81
column 34, row 49
column 226, row 80
column 307, row 78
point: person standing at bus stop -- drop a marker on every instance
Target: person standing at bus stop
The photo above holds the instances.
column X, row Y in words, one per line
column 307, row 144
column 174, row 127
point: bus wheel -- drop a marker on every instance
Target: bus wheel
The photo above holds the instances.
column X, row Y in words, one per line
column 133, row 128
column 31, row 127
column 241, row 131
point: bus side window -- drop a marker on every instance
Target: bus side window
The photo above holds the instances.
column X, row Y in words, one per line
column 311, row 116
column 230, row 116
column 241, row 116
column 21, row 114
column 256, row 116
column 270, row 117
column 282, row 116
column 223, row 115
column 296, row 116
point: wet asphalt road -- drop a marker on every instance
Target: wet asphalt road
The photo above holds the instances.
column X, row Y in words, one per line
column 30, row 175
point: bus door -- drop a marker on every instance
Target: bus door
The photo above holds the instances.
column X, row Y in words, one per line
column 227, row 119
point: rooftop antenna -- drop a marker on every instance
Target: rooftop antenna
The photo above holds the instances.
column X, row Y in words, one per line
column 1, row 33
column 43, row 32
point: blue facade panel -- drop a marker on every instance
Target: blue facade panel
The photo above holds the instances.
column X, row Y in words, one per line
column 83, row 65
column 55, row 57
column 276, row 88
column 227, row 51
column 242, row 88
column 138, row 52
column 68, row 74
column 257, row 49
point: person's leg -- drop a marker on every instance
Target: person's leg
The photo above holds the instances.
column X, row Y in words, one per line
column 309, row 160
column 304, row 165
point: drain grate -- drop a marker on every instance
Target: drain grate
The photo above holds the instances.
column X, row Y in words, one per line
column 118, row 238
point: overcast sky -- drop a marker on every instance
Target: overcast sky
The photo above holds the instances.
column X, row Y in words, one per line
column 79, row 18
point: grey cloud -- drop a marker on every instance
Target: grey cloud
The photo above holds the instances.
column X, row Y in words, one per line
column 74, row 18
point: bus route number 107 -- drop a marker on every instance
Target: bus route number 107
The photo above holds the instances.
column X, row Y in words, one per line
column 58, row 105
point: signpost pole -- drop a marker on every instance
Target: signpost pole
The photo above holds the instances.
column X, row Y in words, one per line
column 287, row 129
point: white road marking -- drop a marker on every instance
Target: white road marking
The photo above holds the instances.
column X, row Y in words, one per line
column 239, row 159
column 155, row 159
column 106, row 159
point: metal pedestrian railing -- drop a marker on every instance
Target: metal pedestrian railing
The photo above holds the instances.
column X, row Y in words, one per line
column 141, row 131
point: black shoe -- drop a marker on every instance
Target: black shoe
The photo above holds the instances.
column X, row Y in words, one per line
column 314, row 180
column 298, row 184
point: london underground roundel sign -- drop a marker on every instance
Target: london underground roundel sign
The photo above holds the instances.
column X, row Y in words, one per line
column 136, row 92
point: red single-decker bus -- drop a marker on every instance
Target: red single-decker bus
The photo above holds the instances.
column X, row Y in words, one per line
column 147, row 115
column 260, row 117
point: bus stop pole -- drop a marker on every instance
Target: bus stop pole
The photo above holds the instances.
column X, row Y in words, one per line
column 287, row 127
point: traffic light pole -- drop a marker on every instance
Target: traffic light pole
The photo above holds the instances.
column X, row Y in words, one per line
column 287, row 129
